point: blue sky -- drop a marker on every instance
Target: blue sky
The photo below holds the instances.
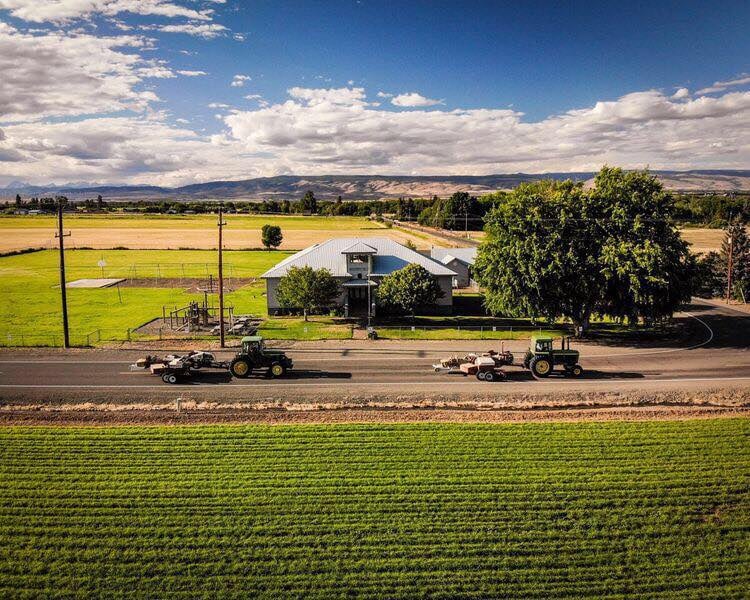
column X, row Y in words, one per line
column 368, row 87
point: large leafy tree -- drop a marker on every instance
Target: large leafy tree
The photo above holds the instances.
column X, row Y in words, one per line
column 408, row 289
column 556, row 250
column 646, row 265
column 307, row 289
column 539, row 258
column 736, row 237
column 271, row 236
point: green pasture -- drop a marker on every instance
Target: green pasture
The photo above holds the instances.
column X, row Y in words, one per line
column 28, row 286
column 539, row 511
column 144, row 221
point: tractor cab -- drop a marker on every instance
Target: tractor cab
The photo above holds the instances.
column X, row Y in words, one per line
column 541, row 357
column 542, row 345
column 253, row 344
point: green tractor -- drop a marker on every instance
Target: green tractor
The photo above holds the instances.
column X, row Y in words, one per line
column 541, row 359
column 254, row 356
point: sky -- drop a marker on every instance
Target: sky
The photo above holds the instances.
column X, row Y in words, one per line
column 173, row 92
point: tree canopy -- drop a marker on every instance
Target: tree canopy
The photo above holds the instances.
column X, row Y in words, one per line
column 736, row 237
column 271, row 236
column 556, row 250
column 309, row 203
column 408, row 289
column 307, row 289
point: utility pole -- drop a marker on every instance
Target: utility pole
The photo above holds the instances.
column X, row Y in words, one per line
column 729, row 262
column 63, row 292
column 221, row 224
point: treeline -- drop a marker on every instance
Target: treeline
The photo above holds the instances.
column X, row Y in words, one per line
column 457, row 212
column 711, row 211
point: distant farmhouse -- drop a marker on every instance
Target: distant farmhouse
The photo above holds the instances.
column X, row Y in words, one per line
column 359, row 263
column 459, row 260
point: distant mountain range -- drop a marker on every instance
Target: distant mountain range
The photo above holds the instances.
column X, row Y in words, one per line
column 363, row 187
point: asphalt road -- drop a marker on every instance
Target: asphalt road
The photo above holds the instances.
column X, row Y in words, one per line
column 712, row 354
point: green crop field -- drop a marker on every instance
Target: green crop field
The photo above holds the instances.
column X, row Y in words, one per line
column 587, row 510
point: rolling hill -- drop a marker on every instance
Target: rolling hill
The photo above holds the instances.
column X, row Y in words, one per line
column 370, row 187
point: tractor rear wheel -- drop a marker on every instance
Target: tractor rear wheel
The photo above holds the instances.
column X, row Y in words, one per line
column 240, row 368
column 540, row 367
column 481, row 375
column 489, row 376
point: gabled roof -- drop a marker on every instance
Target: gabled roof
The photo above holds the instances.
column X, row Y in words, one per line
column 390, row 257
column 359, row 248
column 465, row 255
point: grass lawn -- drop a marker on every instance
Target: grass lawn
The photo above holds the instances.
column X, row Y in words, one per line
column 464, row 333
column 579, row 510
column 32, row 302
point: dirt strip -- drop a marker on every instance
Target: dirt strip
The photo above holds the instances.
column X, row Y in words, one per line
column 342, row 416
column 601, row 406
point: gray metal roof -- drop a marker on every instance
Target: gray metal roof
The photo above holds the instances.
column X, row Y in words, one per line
column 390, row 257
column 360, row 248
column 465, row 255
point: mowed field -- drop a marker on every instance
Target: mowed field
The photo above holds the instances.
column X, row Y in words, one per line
column 192, row 231
column 587, row 510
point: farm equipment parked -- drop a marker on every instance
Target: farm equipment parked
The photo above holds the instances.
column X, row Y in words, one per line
column 253, row 356
column 541, row 358
column 174, row 368
column 486, row 367
column 483, row 368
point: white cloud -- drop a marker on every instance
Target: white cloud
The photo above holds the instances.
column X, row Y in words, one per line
column 413, row 99
column 323, row 131
column 124, row 149
column 333, row 96
column 205, row 30
column 192, row 73
column 384, row 95
column 338, row 131
column 56, row 74
column 681, row 94
column 218, row 105
column 720, row 86
column 240, row 80
column 58, row 11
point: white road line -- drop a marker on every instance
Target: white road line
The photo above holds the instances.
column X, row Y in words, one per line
column 498, row 385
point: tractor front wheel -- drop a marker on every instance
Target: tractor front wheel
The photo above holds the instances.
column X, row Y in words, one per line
column 240, row 368
column 277, row 370
column 576, row 371
column 540, row 367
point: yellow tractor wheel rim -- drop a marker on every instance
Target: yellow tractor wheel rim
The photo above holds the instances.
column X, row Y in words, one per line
column 542, row 367
column 240, row 368
column 276, row 370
